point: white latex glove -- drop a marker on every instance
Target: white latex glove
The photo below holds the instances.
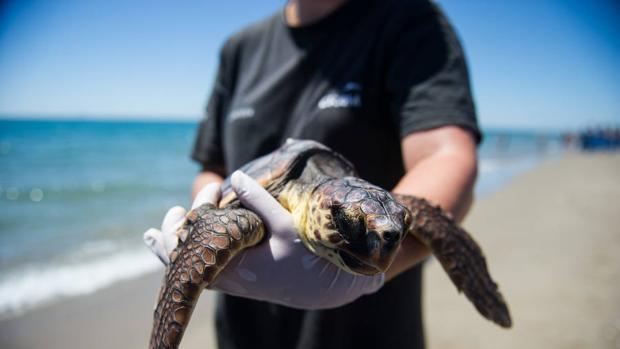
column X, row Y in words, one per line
column 163, row 242
column 280, row 270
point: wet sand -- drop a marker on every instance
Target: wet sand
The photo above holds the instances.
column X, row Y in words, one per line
column 552, row 238
column 111, row 318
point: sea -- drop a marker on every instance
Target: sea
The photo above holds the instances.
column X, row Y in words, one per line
column 76, row 196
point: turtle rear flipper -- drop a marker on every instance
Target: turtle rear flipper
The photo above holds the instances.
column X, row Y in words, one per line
column 460, row 256
column 213, row 237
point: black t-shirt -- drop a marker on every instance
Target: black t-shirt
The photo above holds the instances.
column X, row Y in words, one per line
column 358, row 80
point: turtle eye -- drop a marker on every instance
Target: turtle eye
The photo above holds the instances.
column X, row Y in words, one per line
column 352, row 228
column 407, row 219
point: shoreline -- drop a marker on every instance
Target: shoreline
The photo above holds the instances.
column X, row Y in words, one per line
column 557, row 280
column 68, row 277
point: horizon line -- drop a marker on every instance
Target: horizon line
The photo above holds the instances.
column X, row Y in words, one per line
column 195, row 119
column 97, row 117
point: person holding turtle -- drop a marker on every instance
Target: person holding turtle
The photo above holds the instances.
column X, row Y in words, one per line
column 383, row 83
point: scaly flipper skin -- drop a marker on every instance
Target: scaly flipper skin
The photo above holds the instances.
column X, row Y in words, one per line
column 460, row 256
column 213, row 237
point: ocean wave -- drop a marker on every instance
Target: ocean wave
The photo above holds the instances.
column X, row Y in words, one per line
column 30, row 287
column 494, row 173
column 505, row 165
column 86, row 191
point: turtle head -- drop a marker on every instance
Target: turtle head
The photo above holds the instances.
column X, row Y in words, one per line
column 356, row 225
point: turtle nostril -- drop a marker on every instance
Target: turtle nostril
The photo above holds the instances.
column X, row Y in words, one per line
column 373, row 240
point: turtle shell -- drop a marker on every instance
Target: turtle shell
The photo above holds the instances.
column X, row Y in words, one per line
column 304, row 160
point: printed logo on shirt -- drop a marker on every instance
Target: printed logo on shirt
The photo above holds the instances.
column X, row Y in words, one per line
column 348, row 97
column 241, row 113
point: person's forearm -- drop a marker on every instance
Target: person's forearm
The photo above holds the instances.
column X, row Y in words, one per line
column 203, row 178
column 445, row 179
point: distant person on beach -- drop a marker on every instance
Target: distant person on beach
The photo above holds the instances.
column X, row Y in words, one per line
column 600, row 138
column 384, row 83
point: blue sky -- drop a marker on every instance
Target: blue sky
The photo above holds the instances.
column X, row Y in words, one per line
column 534, row 64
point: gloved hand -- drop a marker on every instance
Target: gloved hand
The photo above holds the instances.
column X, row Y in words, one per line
column 280, row 270
column 163, row 242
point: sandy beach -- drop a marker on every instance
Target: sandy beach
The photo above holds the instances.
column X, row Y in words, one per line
column 551, row 237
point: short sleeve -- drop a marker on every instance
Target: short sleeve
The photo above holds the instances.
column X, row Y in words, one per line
column 427, row 81
column 208, row 145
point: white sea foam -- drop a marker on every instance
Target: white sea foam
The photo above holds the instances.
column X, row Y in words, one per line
column 489, row 165
column 495, row 173
column 25, row 289
column 506, row 165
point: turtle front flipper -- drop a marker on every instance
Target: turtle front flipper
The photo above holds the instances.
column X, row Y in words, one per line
column 213, row 237
column 460, row 256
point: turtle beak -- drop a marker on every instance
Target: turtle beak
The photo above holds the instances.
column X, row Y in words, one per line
column 382, row 247
column 378, row 254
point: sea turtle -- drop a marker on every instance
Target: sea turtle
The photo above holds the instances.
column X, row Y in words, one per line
column 352, row 223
